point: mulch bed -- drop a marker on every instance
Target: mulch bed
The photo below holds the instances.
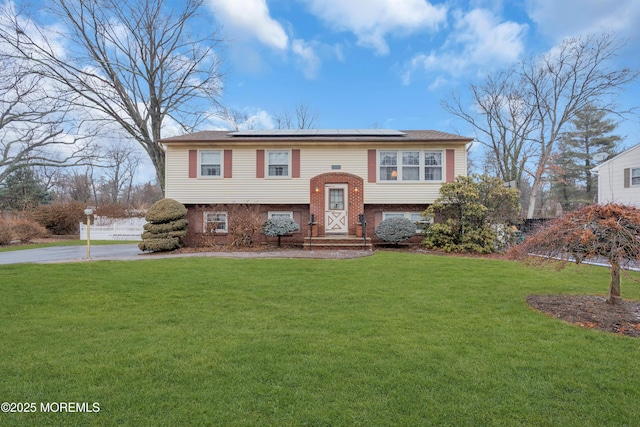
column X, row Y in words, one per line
column 591, row 311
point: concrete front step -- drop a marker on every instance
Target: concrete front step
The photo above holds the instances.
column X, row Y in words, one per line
column 337, row 243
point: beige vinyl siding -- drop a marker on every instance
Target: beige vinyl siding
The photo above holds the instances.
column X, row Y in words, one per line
column 413, row 192
column 244, row 187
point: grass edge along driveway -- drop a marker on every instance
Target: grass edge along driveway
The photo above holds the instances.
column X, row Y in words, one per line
column 391, row 339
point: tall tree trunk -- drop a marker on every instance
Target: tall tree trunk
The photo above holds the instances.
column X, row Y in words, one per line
column 614, row 297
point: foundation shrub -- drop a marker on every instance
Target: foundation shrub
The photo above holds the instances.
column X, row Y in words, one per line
column 166, row 210
column 161, row 245
column 166, row 228
column 279, row 226
column 244, row 222
column 395, row 230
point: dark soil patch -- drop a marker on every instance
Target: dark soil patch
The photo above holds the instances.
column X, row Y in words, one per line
column 591, row 311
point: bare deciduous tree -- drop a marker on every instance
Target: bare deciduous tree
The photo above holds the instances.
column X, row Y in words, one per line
column 503, row 122
column 306, row 117
column 120, row 163
column 33, row 126
column 236, row 119
column 524, row 111
column 132, row 62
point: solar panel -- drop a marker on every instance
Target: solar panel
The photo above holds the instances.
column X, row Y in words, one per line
column 302, row 133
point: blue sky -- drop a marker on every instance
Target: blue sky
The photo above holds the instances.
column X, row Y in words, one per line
column 388, row 63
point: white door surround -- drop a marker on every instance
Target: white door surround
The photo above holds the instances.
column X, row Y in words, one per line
column 336, row 212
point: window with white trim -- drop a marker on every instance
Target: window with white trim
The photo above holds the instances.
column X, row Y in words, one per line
column 211, row 163
column 278, row 214
column 278, row 163
column 388, row 165
column 635, row 176
column 433, row 165
column 410, row 165
column 215, row 222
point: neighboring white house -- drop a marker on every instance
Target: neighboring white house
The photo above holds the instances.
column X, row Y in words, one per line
column 619, row 178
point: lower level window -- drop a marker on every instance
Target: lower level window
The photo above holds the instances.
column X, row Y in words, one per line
column 415, row 217
column 275, row 214
column 215, row 222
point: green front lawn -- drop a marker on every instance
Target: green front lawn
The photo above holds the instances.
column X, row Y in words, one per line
column 390, row 339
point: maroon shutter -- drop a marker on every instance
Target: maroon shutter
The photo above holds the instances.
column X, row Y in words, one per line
column 451, row 165
column 193, row 163
column 259, row 163
column 295, row 163
column 372, row 165
column 227, row 163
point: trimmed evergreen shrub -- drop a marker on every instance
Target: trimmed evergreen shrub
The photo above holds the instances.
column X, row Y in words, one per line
column 161, row 245
column 166, row 228
column 279, row 226
column 395, row 230
column 165, row 210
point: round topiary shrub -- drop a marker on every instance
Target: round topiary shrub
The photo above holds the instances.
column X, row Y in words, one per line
column 395, row 230
column 166, row 229
column 180, row 224
column 279, row 226
column 165, row 210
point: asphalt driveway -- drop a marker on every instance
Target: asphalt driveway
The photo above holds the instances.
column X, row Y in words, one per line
column 71, row 253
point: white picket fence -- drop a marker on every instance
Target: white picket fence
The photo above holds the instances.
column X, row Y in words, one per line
column 114, row 229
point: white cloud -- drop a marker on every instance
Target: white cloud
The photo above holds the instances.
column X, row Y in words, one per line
column 250, row 18
column 479, row 40
column 307, row 58
column 372, row 20
column 560, row 19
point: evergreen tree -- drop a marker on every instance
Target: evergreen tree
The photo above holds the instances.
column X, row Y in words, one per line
column 22, row 190
column 573, row 183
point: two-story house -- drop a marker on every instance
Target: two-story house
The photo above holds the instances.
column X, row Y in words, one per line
column 330, row 176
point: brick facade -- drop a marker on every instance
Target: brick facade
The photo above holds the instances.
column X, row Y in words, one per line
column 355, row 198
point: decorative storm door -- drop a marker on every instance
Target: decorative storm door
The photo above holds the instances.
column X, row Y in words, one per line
column 336, row 218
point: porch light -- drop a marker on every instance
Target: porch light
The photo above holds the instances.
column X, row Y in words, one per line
column 356, row 189
column 317, row 189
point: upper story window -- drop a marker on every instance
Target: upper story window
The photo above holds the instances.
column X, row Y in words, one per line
column 433, row 165
column 210, row 163
column 635, row 176
column 388, row 165
column 410, row 165
column 278, row 163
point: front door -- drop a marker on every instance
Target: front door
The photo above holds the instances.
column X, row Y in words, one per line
column 336, row 209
